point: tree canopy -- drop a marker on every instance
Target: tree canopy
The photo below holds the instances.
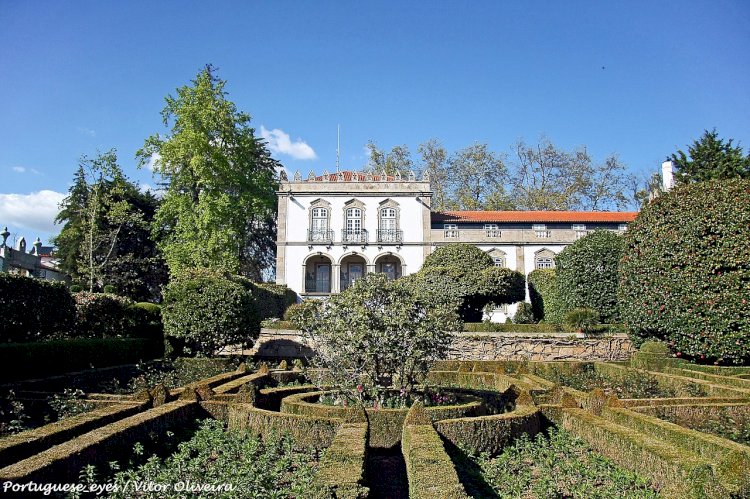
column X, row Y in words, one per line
column 105, row 238
column 219, row 203
column 710, row 157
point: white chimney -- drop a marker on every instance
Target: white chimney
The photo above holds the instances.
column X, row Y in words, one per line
column 667, row 178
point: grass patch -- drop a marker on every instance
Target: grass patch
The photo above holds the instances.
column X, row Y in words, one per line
column 557, row 465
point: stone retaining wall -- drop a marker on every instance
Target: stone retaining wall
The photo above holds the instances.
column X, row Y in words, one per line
column 288, row 343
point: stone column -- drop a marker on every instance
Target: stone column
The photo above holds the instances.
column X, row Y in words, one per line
column 335, row 278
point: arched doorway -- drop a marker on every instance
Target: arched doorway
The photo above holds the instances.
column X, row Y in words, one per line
column 318, row 274
column 353, row 267
column 390, row 265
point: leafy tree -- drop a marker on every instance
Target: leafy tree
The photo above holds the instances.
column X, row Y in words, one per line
column 105, row 237
column 545, row 177
column 434, row 162
column 380, row 335
column 478, row 175
column 710, row 158
column 219, row 204
column 685, row 272
column 398, row 159
column 586, row 274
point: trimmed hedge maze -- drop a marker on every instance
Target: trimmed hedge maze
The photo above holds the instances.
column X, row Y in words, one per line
column 663, row 428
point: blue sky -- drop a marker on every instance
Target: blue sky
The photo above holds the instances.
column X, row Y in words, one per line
column 639, row 79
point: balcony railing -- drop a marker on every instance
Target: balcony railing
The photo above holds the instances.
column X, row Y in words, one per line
column 451, row 233
column 543, row 233
column 390, row 236
column 493, row 232
column 317, row 285
column 353, row 236
column 319, row 236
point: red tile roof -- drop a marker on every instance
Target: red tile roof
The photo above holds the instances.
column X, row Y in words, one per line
column 534, row 216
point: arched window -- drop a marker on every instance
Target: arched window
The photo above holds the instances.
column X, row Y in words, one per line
column 388, row 223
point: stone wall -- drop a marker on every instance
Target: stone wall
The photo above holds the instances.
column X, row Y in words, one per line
column 287, row 343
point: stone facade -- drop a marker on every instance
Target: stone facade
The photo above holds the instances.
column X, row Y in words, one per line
column 288, row 343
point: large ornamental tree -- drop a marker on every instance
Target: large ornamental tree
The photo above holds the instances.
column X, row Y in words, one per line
column 685, row 273
column 586, row 274
column 379, row 336
column 219, row 204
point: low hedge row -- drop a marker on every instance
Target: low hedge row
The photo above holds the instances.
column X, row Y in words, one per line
column 14, row 448
column 490, row 433
column 732, row 460
column 20, row 361
column 542, row 327
column 429, row 468
column 713, row 378
column 341, row 473
column 305, row 430
column 57, row 464
column 385, row 424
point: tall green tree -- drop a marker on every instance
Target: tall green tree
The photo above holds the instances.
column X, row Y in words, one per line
column 219, row 202
column 709, row 158
column 397, row 160
column 546, row 177
column 105, row 234
column 477, row 177
column 434, row 163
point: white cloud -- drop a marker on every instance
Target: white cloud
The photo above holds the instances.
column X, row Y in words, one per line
column 35, row 211
column 279, row 142
column 23, row 169
column 153, row 161
column 86, row 131
column 19, row 169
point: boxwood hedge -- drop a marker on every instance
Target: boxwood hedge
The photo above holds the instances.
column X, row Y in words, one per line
column 685, row 274
column 33, row 309
column 545, row 299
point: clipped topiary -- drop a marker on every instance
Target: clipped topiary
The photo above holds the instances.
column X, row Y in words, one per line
column 586, row 274
column 209, row 311
column 685, row 274
column 467, row 257
column 545, row 298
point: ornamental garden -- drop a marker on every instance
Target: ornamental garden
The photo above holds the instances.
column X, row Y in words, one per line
column 104, row 396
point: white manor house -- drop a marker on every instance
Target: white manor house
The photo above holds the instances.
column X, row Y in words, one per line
column 335, row 228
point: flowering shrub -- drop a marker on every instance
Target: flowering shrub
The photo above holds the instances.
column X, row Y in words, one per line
column 685, row 273
column 379, row 336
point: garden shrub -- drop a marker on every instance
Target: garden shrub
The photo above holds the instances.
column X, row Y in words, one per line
column 76, row 288
column 145, row 320
column 209, row 311
column 378, row 335
column 524, row 314
column 582, row 319
column 466, row 275
column 100, row 315
column 109, row 289
column 685, row 274
column 586, row 274
column 33, row 309
column 272, row 300
column 545, row 298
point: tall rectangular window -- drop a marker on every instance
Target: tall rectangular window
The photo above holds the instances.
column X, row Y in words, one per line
column 451, row 230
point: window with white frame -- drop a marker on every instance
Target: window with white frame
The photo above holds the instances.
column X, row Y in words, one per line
column 353, row 224
column 540, row 230
column 622, row 227
column 388, row 225
column 580, row 230
column 498, row 258
column 319, row 224
column 492, row 230
column 451, row 230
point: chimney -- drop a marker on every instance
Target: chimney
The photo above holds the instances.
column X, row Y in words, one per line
column 667, row 178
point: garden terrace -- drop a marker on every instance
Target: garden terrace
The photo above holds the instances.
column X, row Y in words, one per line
column 644, row 422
